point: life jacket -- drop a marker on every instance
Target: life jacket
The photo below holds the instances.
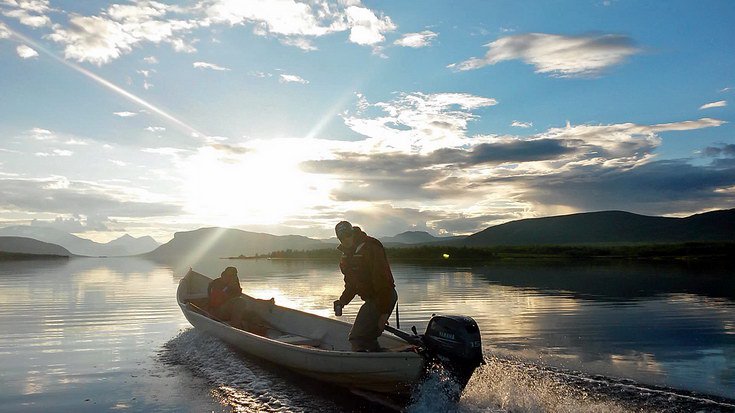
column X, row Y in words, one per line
column 220, row 292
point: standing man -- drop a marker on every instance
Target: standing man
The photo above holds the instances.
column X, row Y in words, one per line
column 367, row 274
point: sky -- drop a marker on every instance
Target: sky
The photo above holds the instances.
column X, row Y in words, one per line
column 287, row 116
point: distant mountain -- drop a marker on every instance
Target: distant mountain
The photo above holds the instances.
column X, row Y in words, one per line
column 21, row 245
column 611, row 227
column 414, row 237
column 132, row 245
column 224, row 242
column 125, row 245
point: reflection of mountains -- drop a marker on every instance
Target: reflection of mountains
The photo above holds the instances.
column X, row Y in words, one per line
column 614, row 281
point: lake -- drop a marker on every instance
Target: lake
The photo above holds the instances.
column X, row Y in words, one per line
column 95, row 334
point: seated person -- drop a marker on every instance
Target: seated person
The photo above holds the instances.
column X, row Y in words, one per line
column 227, row 303
column 221, row 293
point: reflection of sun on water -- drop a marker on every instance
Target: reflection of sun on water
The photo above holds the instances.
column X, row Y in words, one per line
column 262, row 186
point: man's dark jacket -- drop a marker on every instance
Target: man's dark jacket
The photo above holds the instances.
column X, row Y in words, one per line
column 367, row 273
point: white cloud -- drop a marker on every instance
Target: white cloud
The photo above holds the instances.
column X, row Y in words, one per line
column 519, row 124
column 100, row 39
column 723, row 90
column 418, row 122
column 4, row 32
column 718, row 104
column 557, row 55
column 366, row 27
column 151, row 60
column 41, row 134
column 283, row 78
column 29, row 12
column 26, row 52
column 155, row 129
column 300, row 42
column 416, row 40
column 211, row 66
column 260, row 74
column 125, row 114
column 75, row 142
column 55, row 152
column 293, row 21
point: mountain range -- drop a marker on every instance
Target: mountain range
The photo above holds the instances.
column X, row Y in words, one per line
column 21, row 245
column 606, row 227
column 125, row 245
column 226, row 242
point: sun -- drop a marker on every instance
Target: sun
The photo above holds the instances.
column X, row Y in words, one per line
column 262, row 186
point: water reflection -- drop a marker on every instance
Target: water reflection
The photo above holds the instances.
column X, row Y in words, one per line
column 92, row 328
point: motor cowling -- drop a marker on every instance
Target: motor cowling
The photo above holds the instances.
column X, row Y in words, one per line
column 454, row 337
column 455, row 342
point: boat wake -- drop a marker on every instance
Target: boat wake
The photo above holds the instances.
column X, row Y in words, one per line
column 240, row 383
column 502, row 385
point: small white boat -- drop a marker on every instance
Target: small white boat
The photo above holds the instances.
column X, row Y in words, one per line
column 317, row 346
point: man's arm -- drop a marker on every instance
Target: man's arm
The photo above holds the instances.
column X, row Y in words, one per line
column 382, row 280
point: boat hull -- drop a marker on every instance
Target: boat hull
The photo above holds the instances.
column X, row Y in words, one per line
column 331, row 361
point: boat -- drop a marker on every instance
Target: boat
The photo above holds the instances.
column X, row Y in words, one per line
column 317, row 346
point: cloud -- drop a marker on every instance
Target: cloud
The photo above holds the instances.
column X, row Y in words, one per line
column 292, row 79
column 419, row 122
column 73, row 224
column 417, row 148
column 155, row 129
column 125, row 114
column 416, row 40
column 718, row 104
column 366, row 28
column 557, row 55
column 62, row 196
column 211, row 66
column 659, row 187
column 40, row 134
column 300, row 42
column 151, row 60
column 28, row 12
column 55, row 152
column 261, row 75
column 519, row 124
column 25, row 52
column 119, row 28
column 727, row 150
column 4, row 32
column 294, row 22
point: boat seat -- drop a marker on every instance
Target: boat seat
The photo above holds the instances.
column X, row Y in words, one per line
column 295, row 340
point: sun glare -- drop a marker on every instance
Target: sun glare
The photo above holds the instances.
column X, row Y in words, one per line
column 264, row 186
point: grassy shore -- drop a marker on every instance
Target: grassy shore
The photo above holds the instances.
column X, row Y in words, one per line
column 717, row 251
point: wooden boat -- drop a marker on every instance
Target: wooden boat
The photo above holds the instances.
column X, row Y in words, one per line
column 316, row 346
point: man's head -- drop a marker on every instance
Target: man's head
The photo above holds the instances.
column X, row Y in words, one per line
column 229, row 272
column 344, row 231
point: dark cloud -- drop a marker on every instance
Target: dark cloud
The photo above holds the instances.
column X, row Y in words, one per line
column 727, row 150
column 515, row 150
column 75, row 199
column 671, row 186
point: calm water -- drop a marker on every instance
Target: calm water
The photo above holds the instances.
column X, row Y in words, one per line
column 106, row 334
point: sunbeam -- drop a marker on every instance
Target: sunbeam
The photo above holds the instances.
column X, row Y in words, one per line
column 111, row 86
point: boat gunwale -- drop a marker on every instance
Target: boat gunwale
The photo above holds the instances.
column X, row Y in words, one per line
column 294, row 347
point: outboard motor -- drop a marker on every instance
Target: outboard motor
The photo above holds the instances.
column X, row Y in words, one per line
column 455, row 342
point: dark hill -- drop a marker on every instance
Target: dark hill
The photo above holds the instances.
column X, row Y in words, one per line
column 207, row 243
column 609, row 227
column 22, row 245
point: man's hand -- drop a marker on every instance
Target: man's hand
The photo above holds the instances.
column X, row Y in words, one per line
column 338, row 308
column 382, row 320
